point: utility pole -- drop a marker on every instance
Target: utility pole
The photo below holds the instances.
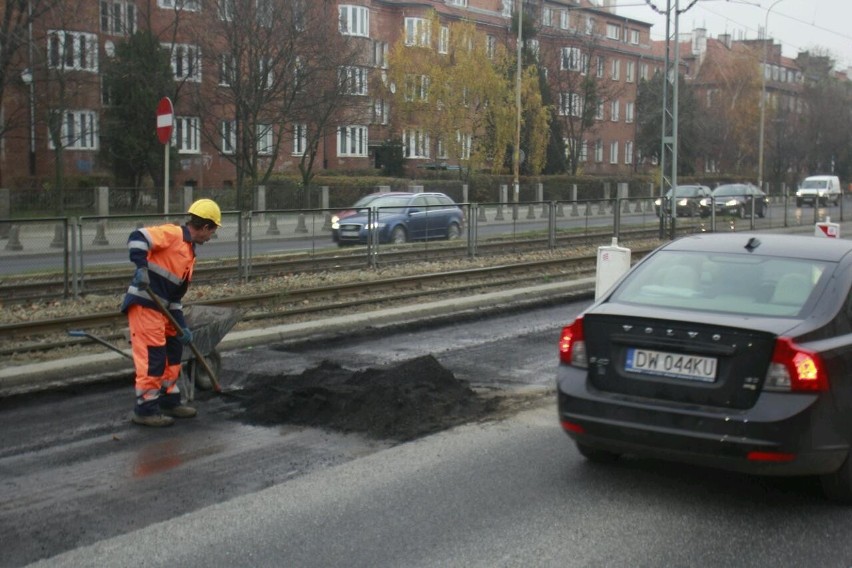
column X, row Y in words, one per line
column 516, row 154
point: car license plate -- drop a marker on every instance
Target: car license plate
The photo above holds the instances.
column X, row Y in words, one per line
column 348, row 233
column 675, row 365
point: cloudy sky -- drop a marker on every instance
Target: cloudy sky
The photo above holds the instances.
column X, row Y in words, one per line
column 798, row 25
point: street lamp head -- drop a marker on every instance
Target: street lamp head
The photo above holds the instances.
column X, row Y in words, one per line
column 27, row 76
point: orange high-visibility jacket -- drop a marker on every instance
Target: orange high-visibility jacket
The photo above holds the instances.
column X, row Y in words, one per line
column 167, row 251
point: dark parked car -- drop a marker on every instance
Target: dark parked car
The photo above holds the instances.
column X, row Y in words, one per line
column 687, row 199
column 359, row 205
column 736, row 199
column 726, row 350
column 402, row 217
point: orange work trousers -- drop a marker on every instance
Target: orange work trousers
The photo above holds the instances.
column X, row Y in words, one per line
column 156, row 356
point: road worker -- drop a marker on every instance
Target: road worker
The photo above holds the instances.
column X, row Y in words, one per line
column 164, row 256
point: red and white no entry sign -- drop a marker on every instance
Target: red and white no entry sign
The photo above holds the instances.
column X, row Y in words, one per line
column 165, row 120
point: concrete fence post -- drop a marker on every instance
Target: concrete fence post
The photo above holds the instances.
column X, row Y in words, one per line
column 324, row 205
column 5, row 211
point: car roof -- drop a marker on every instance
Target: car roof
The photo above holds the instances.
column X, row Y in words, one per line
column 765, row 244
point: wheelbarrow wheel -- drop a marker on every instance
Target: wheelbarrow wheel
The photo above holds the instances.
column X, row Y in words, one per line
column 202, row 379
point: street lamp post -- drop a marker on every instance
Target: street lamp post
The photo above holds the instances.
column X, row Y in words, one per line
column 516, row 154
column 27, row 78
column 763, row 98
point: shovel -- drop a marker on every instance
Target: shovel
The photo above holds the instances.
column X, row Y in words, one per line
column 195, row 351
column 108, row 345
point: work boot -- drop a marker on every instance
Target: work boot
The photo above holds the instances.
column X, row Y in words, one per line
column 156, row 420
column 180, row 411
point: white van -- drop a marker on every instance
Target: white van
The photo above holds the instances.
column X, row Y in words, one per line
column 818, row 190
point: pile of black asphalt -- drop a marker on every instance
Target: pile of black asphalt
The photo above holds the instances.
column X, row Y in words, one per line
column 400, row 403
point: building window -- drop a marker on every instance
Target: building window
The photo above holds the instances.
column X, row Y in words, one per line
column 630, row 71
column 381, row 111
column 380, row 54
column 590, row 25
column 354, row 20
column 265, row 74
column 265, row 139
column 415, row 143
column 613, row 152
column 570, row 104
column 118, row 18
column 599, row 112
column 78, row 131
column 352, row 141
column 417, row 32
column 614, row 107
column 462, row 3
column 599, row 151
column 584, row 152
column 185, row 135
column 535, row 48
column 628, row 152
column 546, row 17
column 72, row 50
column 225, row 10
column 186, row 62
column 444, row 40
column 354, row 80
column 643, row 71
column 300, row 139
column 491, row 46
column 616, row 70
column 229, row 136
column 634, row 37
column 416, row 88
column 628, row 112
column 613, row 31
column 189, row 5
column 465, row 142
column 563, row 19
column 572, row 59
column 226, row 69
column 600, row 69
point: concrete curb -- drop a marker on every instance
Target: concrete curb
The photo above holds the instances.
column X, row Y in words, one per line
column 109, row 366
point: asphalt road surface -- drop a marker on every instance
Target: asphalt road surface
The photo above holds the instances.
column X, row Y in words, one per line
column 80, row 486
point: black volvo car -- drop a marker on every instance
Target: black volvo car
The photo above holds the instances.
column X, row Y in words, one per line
column 727, row 350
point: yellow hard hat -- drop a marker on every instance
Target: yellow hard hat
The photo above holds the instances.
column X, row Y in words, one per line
column 206, row 209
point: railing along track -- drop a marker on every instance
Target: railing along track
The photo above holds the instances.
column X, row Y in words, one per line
column 45, row 335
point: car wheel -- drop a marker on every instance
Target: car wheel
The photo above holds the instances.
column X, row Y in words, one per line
column 453, row 232
column 596, row 455
column 837, row 486
column 398, row 236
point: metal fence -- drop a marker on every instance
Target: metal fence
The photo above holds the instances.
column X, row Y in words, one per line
column 78, row 249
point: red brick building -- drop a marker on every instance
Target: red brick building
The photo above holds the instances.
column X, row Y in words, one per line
column 573, row 36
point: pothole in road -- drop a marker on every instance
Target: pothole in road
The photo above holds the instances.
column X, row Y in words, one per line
column 400, row 402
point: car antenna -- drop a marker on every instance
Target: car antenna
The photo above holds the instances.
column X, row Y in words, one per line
column 752, row 244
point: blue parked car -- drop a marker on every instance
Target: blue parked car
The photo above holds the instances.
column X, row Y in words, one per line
column 401, row 217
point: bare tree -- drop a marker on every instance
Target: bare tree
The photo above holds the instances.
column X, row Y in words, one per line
column 277, row 71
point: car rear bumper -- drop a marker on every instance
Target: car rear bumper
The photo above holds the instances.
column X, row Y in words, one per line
column 794, row 429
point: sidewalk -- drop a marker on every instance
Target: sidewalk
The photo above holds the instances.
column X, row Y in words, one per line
column 112, row 366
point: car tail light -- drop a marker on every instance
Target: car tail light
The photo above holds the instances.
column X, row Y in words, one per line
column 572, row 344
column 795, row 369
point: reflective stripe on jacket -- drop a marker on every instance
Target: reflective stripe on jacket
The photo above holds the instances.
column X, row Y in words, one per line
column 169, row 254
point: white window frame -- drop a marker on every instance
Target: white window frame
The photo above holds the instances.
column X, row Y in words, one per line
column 354, row 20
column 78, row 131
column 417, row 32
column 643, row 71
column 118, row 17
column 228, row 130
column 80, row 55
column 186, row 134
column 564, row 20
column 570, row 104
column 630, row 71
column 590, row 25
column 354, row 80
column 416, row 88
column 225, row 10
column 572, row 59
column 415, row 143
column 599, row 151
column 613, row 31
column 188, row 5
column 628, row 152
column 584, row 152
column 352, row 141
column 459, row 3
column 380, row 54
column 300, row 139
column 265, row 139
column 465, row 142
column 615, row 69
column 444, row 40
column 185, row 61
column 227, row 69
column 634, row 37
column 629, row 110
column 613, row 152
column 547, row 17
column 381, row 111
column 599, row 111
column 614, row 110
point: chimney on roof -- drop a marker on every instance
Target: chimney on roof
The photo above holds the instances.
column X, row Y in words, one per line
column 608, row 5
column 699, row 42
column 725, row 39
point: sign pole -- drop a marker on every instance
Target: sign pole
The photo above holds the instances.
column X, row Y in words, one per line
column 165, row 123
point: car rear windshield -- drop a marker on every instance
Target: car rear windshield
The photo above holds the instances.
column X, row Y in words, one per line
column 750, row 285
